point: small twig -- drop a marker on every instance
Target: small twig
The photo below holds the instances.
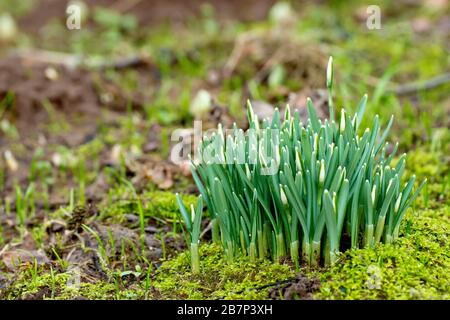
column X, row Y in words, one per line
column 238, row 53
column 5, row 248
column 72, row 61
column 32, row 56
column 209, row 227
column 409, row 88
column 122, row 63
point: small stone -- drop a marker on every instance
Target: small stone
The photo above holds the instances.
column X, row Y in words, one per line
column 8, row 28
column 151, row 229
column 201, row 103
column 11, row 161
column 51, row 73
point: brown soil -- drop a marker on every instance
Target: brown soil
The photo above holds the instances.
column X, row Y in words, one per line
column 33, row 84
column 72, row 91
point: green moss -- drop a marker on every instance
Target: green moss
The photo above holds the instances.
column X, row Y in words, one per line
column 26, row 285
column 434, row 167
column 426, row 165
column 156, row 204
column 100, row 291
column 163, row 203
column 62, row 286
column 416, row 267
column 218, row 279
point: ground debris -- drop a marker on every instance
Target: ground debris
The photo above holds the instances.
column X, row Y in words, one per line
column 301, row 288
column 14, row 258
column 257, row 54
column 297, row 101
column 147, row 169
column 79, row 216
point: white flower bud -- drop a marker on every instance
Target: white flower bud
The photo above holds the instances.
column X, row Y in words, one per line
column 220, row 131
column 342, row 125
column 192, row 212
column 334, row 202
column 283, row 195
column 389, row 185
column 354, row 120
column 397, row 203
column 297, row 160
column 322, row 172
column 277, row 155
column 247, row 171
column 330, row 73
column 374, row 190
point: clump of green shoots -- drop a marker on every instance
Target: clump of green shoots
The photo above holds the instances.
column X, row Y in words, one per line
column 287, row 188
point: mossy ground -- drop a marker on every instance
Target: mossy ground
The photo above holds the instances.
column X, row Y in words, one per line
column 97, row 171
column 63, row 286
column 218, row 279
column 415, row 267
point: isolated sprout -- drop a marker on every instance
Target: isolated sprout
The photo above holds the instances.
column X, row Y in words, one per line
column 192, row 222
column 287, row 188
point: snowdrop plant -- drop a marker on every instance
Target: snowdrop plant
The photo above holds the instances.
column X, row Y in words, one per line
column 285, row 187
column 193, row 223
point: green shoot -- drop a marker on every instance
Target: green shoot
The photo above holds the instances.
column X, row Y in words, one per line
column 193, row 223
column 140, row 211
